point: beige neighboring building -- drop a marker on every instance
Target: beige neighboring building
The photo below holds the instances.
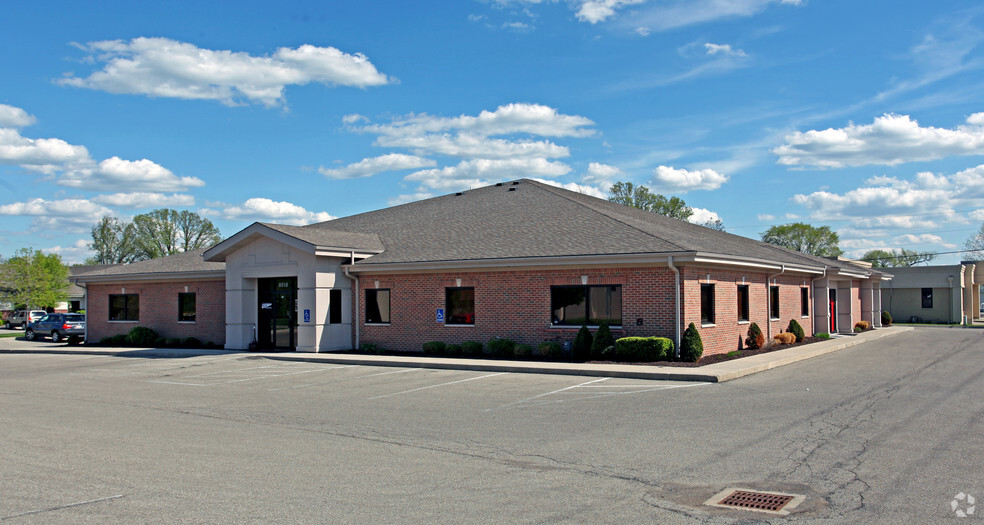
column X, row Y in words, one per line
column 935, row 294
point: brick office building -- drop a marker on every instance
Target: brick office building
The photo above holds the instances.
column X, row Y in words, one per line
column 520, row 260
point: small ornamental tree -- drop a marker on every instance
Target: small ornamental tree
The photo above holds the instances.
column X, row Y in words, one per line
column 691, row 347
column 797, row 330
column 755, row 338
column 602, row 340
column 582, row 344
column 886, row 318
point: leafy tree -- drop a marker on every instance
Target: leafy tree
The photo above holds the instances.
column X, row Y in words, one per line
column 896, row 258
column 804, row 238
column 114, row 242
column 34, row 279
column 158, row 233
column 975, row 245
column 640, row 197
column 714, row 224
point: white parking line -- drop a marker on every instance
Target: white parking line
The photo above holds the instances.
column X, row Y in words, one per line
column 547, row 394
column 636, row 389
column 435, row 386
column 347, row 378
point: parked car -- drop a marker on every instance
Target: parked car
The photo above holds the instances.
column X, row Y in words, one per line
column 21, row 318
column 57, row 327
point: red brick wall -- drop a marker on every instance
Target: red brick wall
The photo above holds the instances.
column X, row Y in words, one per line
column 516, row 305
column 855, row 303
column 159, row 310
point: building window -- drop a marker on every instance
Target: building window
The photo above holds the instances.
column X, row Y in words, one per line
column 334, row 306
column 804, row 302
column 590, row 305
column 774, row 306
column 743, row 302
column 186, row 306
column 459, row 305
column 124, row 307
column 927, row 297
column 707, row 304
column 378, row 306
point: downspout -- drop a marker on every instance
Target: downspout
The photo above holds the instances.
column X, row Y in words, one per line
column 355, row 319
column 768, row 301
column 85, row 297
column 813, row 307
column 676, row 304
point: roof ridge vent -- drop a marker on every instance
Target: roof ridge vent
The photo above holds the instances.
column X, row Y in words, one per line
column 498, row 184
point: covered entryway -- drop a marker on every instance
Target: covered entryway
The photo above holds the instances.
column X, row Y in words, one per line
column 277, row 313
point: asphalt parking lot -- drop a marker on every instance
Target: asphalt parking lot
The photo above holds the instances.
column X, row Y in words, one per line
column 889, row 431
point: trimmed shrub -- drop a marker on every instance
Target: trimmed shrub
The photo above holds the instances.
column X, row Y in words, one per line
column 370, row 348
column 452, row 349
column 172, row 341
column 114, row 340
column 192, row 342
column 160, row 342
column 886, row 318
column 863, row 325
column 500, row 347
column 691, row 347
column 551, row 349
column 582, row 344
column 784, row 338
column 643, row 349
column 797, row 330
column 824, row 335
column 602, row 340
column 141, row 336
column 523, row 351
column 471, row 348
column 755, row 338
column 434, row 347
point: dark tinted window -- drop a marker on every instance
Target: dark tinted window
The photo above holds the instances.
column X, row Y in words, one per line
column 774, row 306
column 591, row 305
column 459, row 304
column 743, row 302
column 187, row 303
column 707, row 304
column 927, row 297
column 124, row 307
column 377, row 306
column 334, row 306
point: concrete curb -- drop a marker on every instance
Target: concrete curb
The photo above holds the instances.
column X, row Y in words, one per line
column 715, row 373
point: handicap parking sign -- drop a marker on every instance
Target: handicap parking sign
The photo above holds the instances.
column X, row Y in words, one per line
column 307, row 316
column 440, row 315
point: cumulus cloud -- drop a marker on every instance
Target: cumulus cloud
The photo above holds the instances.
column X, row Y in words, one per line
column 13, row 117
column 161, row 67
column 145, row 200
column 481, row 172
column 43, row 155
column 594, row 11
column 682, row 180
column 702, row 216
column 585, row 189
column 266, row 210
column 601, row 175
column 889, row 140
column 140, row 175
column 72, row 254
column 67, row 215
column 370, row 166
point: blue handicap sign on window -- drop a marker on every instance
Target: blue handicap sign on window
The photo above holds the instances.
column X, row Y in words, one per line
column 307, row 316
column 440, row 315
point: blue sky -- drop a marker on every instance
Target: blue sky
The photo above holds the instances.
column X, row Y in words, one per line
column 864, row 116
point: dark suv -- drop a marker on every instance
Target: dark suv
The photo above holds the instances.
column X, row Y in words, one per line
column 58, row 327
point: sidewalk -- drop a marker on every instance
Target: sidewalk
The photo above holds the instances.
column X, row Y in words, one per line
column 718, row 372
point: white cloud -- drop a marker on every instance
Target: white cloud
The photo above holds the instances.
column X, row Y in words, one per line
column 682, row 180
column 140, row 175
column 481, row 172
column 44, row 155
column 66, row 215
column 594, row 11
column 161, row 67
column 765, row 217
column 702, row 216
column 472, row 146
column 601, row 176
column 13, row 117
column 585, row 189
column 672, row 14
column 889, row 140
column 370, row 166
column 723, row 49
column 409, row 197
column 145, row 200
column 354, row 118
column 266, row 210
column 72, row 254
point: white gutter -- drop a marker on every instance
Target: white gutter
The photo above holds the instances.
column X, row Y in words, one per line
column 676, row 304
column 813, row 307
column 768, row 301
column 85, row 296
column 355, row 318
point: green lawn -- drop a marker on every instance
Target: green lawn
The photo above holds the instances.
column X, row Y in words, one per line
column 12, row 334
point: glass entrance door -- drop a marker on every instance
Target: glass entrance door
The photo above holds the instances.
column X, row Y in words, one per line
column 277, row 309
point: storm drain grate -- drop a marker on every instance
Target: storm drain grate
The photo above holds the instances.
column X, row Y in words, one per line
column 757, row 500
column 747, row 499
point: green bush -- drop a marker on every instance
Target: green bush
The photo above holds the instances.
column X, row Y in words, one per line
column 114, row 340
column 797, row 330
column 160, row 342
column 172, row 341
column 824, row 335
column 141, row 336
column 370, row 348
column 734, row 353
column 691, row 347
column 523, row 351
column 886, row 318
column 602, row 340
column 582, row 344
column 501, row 347
column 192, row 342
column 551, row 349
column 755, row 338
column 643, row 349
column 434, row 348
column 452, row 349
column 472, row 348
